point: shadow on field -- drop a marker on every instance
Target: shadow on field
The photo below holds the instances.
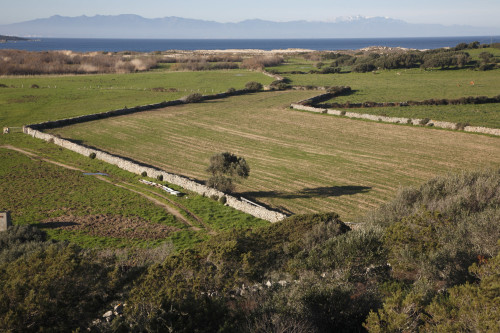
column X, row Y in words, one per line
column 55, row 225
column 318, row 192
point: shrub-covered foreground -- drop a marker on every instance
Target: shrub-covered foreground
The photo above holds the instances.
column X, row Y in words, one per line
column 428, row 260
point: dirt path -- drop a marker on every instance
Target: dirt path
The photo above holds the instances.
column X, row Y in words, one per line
column 31, row 154
column 168, row 208
column 171, row 210
column 195, row 217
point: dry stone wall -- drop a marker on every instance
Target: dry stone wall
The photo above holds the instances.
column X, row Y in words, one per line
column 398, row 120
column 137, row 168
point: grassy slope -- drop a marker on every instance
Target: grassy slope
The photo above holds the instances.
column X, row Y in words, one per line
column 67, row 96
column 300, row 161
column 35, row 190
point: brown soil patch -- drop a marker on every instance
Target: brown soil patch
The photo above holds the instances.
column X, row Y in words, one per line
column 111, row 226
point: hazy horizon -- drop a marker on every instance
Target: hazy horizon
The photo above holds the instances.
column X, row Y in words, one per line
column 483, row 13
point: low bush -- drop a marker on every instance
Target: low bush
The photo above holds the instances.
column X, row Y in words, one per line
column 279, row 85
column 363, row 68
column 424, row 121
column 461, row 126
column 253, row 86
column 144, row 174
column 193, row 98
column 260, row 62
column 92, row 155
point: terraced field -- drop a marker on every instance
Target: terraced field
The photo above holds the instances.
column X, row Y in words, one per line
column 300, row 162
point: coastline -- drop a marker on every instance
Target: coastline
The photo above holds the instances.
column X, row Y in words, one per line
column 261, row 46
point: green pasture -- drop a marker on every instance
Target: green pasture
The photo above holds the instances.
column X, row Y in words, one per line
column 405, row 85
column 417, row 85
column 72, row 95
column 300, row 162
column 35, row 190
column 487, row 115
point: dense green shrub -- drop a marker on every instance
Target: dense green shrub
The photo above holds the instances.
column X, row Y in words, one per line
column 437, row 235
column 19, row 240
column 193, row 98
column 56, row 288
column 253, row 86
column 457, row 195
column 279, row 85
column 363, row 67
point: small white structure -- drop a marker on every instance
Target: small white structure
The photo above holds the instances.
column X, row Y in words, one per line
column 5, row 221
column 163, row 187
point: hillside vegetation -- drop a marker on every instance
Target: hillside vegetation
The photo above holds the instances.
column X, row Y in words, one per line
column 405, row 268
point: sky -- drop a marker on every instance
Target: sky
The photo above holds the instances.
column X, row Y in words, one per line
column 482, row 13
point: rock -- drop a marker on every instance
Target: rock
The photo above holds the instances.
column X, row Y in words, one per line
column 282, row 283
column 118, row 309
column 108, row 316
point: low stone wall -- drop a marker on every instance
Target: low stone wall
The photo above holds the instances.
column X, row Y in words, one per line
column 137, row 168
column 125, row 111
column 412, row 121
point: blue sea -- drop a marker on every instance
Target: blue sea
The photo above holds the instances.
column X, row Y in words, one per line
column 150, row 45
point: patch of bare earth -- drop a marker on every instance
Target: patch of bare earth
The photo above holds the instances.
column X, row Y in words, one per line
column 111, row 226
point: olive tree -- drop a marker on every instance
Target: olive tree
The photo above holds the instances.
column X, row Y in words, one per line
column 223, row 168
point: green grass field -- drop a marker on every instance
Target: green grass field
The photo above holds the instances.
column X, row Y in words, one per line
column 67, row 96
column 106, row 212
column 487, row 115
column 410, row 84
column 417, row 85
column 299, row 161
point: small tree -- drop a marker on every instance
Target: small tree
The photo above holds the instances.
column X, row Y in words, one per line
column 253, row 86
column 223, row 167
column 193, row 98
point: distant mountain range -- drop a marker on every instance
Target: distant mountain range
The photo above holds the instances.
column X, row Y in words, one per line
column 134, row 26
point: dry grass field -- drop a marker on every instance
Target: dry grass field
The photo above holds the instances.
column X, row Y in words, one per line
column 300, row 162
